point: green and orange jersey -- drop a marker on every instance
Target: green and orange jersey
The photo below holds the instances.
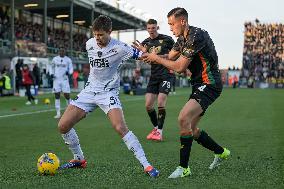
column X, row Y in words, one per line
column 199, row 48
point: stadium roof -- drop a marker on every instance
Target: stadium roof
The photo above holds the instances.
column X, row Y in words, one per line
column 82, row 12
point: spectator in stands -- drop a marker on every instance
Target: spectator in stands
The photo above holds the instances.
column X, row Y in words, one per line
column 28, row 82
column 75, row 77
column 263, row 52
column 235, row 81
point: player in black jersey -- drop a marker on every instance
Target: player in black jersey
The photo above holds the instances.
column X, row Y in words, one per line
column 159, row 84
column 194, row 50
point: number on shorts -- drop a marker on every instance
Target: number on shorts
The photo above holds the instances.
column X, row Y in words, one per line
column 201, row 88
column 112, row 100
column 167, row 83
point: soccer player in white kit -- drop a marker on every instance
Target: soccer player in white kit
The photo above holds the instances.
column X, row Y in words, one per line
column 61, row 68
column 102, row 89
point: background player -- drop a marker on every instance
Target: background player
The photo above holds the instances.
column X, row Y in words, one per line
column 102, row 90
column 61, row 68
column 160, row 81
column 196, row 52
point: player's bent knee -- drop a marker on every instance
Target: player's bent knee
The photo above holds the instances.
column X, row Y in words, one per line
column 63, row 127
column 149, row 108
column 121, row 129
column 182, row 120
column 196, row 133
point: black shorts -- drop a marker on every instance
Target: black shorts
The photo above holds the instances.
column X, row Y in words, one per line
column 205, row 95
column 159, row 85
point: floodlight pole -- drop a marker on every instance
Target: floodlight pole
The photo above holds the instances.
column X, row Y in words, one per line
column 92, row 15
column 71, row 27
column 45, row 22
column 12, row 27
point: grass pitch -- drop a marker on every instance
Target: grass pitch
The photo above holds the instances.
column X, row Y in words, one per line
column 250, row 122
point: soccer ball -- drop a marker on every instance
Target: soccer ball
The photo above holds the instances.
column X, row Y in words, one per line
column 48, row 164
column 46, row 101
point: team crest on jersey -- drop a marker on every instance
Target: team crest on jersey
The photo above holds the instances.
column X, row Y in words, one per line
column 187, row 52
column 100, row 53
column 156, row 49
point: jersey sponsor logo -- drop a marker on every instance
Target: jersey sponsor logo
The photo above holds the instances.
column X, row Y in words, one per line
column 61, row 65
column 99, row 63
column 90, row 49
column 161, row 41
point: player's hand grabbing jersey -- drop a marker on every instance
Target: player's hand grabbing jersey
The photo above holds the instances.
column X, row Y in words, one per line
column 105, row 64
column 199, row 48
column 162, row 44
column 60, row 66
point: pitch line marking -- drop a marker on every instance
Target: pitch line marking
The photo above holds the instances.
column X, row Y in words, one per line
column 49, row 110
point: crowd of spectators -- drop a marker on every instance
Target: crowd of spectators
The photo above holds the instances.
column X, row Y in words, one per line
column 263, row 54
column 34, row 32
column 4, row 24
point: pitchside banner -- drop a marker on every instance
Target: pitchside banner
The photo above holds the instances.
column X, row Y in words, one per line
column 228, row 76
column 29, row 48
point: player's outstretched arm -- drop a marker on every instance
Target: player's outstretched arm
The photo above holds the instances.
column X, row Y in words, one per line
column 178, row 65
column 137, row 45
column 173, row 55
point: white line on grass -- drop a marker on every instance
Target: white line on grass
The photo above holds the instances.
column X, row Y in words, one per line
column 49, row 110
column 27, row 113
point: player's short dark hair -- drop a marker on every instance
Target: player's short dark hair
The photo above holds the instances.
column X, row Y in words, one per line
column 152, row 21
column 178, row 12
column 102, row 23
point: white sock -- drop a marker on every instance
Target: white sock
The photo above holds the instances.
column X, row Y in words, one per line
column 68, row 101
column 160, row 131
column 57, row 106
column 72, row 140
column 134, row 145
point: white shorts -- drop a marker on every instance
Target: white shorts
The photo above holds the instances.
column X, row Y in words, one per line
column 61, row 86
column 89, row 101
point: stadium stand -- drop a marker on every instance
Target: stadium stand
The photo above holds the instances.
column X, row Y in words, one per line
column 263, row 55
column 38, row 32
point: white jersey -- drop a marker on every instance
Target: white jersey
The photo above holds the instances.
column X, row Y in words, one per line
column 60, row 66
column 105, row 64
